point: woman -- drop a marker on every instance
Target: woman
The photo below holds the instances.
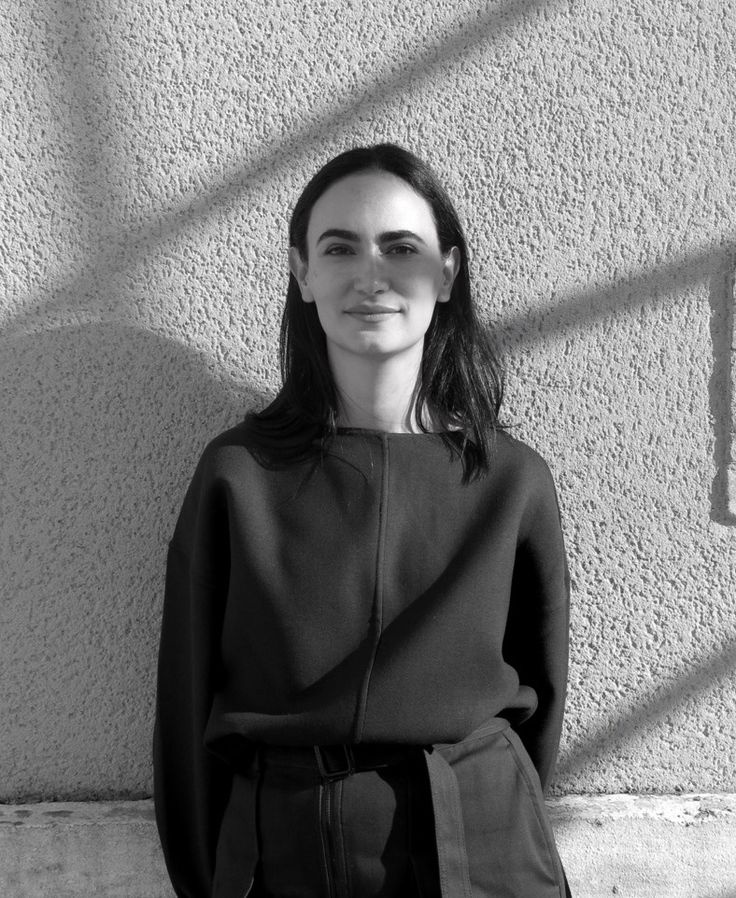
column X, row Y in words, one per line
column 364, row 645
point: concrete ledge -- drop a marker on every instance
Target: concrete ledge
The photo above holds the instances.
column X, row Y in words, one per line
column 626, row 845
column 81, row 850
column 647, row 846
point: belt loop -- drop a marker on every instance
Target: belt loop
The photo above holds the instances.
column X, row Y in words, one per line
column 321, row 753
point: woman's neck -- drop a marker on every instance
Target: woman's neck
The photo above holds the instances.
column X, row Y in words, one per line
column 376, row 393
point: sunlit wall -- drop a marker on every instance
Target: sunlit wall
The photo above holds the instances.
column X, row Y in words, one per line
column 151, row 152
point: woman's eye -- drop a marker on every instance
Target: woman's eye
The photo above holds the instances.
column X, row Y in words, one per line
column 401, row 249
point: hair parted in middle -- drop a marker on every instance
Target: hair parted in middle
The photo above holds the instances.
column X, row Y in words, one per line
column 461, row 382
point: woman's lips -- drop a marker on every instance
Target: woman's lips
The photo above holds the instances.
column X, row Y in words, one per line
column 372, row 312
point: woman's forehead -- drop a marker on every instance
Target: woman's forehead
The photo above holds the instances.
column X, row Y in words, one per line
column 371, row 202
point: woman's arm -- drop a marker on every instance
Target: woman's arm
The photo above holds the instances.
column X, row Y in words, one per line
column 191, row 786
column 537, row 634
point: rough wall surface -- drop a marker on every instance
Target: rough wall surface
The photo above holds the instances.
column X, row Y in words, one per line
column 151, row 154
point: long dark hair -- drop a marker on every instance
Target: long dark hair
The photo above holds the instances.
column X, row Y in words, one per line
column 461, row 381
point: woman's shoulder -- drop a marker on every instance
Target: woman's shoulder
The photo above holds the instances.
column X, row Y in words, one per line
column 222, row 450
column 513, row 453
column 519, row 463
column 236, row 436
column 246, row 446
column 523, row 465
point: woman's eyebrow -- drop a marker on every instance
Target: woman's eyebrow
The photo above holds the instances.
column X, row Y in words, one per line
column 338, row 232
column 386, row 237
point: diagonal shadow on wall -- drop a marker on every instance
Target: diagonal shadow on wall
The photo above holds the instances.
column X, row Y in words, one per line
column 572, row 313
column 651, row 710
column 120, row 247
column 658, row 286
column 79, row 107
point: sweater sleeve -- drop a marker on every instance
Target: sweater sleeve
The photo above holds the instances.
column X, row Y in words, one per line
column 191, row 786
column 537, row 633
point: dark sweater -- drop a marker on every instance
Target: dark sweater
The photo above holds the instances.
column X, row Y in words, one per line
column 369, row 597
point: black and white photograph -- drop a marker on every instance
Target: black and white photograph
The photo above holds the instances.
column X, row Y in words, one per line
column 368, row 440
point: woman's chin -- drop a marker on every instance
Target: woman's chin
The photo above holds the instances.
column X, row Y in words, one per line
column 374, row 346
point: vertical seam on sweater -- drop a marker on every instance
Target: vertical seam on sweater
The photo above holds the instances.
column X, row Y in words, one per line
column 377, row 610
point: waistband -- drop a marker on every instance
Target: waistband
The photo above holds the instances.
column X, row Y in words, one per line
column 333, row 762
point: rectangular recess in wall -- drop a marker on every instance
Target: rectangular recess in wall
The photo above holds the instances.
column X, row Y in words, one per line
column 731, row 465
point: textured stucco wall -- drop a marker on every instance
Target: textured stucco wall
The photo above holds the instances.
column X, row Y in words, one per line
column 150, row 155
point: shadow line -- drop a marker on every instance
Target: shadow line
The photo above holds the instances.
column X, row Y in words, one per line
column 572, row 313
column 83, row 98
column 385, row 86
column 651, row 710
column 576, row 311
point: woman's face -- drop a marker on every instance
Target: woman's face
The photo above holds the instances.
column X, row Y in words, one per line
column 374, row 268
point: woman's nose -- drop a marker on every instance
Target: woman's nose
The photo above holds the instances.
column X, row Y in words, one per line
column 370, row 276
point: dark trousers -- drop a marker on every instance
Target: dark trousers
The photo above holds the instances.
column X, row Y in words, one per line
column 466, row 819
column 367, row 835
